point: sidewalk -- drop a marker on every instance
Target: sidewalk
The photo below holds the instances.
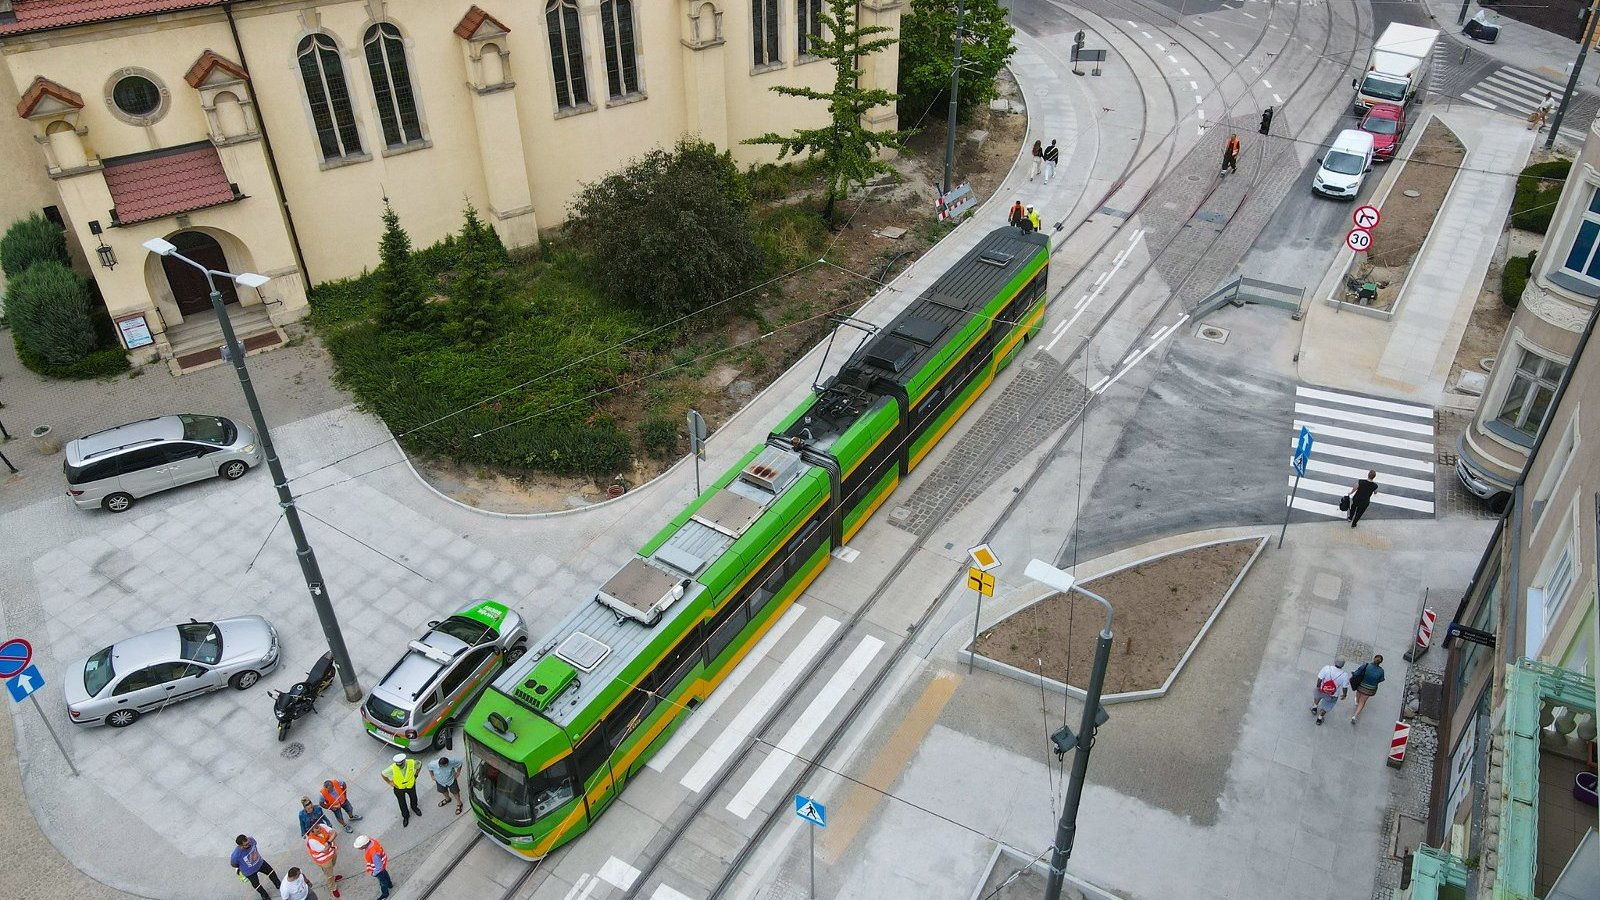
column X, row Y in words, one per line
column 1410, row 355
column 1225, row 788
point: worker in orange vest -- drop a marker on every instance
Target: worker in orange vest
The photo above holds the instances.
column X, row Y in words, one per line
column 377, row 863
column 336, row 800
column 1230, row 154
column 325, row 853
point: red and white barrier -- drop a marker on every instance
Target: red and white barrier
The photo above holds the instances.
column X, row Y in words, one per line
column 1397, row 744
column 1425, row 629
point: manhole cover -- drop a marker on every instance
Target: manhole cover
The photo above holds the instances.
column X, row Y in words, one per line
column 1213, row 334
column 1412, row 194
column 900, row 513
column 1194, row 177
column 292, row 750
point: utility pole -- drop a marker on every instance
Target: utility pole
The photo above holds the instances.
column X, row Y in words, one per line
column 955, row 92
column 1577, row 66
column 1083, row 741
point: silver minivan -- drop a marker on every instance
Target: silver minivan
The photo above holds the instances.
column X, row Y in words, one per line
column 114, row 467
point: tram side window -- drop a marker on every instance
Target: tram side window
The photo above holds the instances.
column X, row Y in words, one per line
column 1018, row 308
column 677, row 664
column 590, row 755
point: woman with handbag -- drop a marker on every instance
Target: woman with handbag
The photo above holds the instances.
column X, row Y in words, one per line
column 1364, row 682
column 1355, row 503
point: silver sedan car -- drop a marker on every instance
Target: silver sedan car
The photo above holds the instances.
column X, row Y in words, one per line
column 146, row 673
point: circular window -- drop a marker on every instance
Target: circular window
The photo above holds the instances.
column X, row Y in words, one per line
column 136, row 95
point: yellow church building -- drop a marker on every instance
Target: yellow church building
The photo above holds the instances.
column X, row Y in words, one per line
column 264, row 135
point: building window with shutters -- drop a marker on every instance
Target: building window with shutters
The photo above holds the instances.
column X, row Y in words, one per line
column 566, row 54
column 391, row 86
column 329, row 98
column 622, row 63
column 764, row 33
column 807, row 26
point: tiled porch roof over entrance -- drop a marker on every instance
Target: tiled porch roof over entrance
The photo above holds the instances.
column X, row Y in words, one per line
column 167, row 182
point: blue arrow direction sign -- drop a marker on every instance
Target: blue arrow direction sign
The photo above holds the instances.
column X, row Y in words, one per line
column 25, row 684
column 15, row 655
column 1302, row 450
column 810, row 810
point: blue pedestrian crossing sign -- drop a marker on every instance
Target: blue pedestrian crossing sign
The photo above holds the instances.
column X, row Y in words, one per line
column 25, row 683
column 1302, row 450
column 810, row 810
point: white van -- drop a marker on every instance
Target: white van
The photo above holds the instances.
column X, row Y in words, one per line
column 1344, row 165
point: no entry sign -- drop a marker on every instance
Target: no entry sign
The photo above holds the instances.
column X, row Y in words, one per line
column 1359, row 239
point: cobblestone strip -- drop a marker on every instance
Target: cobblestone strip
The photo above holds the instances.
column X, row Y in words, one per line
column 1408, row 792
column 1450, row 497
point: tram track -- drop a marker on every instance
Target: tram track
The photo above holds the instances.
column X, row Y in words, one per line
column 738, row 863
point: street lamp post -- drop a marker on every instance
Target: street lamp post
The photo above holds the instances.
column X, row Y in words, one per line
column 291, row 514
column 1067, row 828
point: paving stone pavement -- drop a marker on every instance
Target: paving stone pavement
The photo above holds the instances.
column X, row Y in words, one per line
column 293, row 382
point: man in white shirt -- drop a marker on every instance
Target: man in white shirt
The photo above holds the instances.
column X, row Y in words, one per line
column 1333, row 685
column 296, row 887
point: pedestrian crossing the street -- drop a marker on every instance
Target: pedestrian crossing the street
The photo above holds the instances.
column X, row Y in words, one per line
column 1354, row 433
column 1512, row 90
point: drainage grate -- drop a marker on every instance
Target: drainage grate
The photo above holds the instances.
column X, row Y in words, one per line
column 1214, row 218
column 292, row 750
column 1212, row 333
column 1447, row 460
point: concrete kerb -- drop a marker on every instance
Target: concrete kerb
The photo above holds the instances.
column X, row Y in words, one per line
column 1019, row 863
column 1034, row 679
column 1332, row 283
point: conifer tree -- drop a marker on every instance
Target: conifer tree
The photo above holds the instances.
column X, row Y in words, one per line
column 402, row 290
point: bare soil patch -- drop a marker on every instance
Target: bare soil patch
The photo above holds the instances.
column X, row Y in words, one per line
column 719, row 370
column 1430, row 171
column 1160, row 606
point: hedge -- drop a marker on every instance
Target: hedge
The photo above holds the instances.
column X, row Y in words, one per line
column 1514, row 278
column 1538, row 188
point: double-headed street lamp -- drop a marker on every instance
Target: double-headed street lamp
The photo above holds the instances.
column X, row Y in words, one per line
column 1093, row 717
column 308, row 559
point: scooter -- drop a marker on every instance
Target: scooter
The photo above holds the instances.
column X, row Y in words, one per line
column 302, row 697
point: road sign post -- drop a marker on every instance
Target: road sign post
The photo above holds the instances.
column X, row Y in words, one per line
column 1302, row 455
column 982, row 584
column 24, row 684
column 817, row 814
column 697, row 445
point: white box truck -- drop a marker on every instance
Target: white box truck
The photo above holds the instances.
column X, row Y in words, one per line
column 1397, row 67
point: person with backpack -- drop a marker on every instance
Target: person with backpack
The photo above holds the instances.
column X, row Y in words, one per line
column 1333, row 685
column 1364, row 681
column 1052, row 156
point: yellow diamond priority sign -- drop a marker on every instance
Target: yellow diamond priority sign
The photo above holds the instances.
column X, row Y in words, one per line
column 983, row 558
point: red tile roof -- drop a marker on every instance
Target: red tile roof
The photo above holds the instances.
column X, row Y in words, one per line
column 473, row 20
column 208, row 61
column 42, row 88
column 40, row 15
column 152, row 185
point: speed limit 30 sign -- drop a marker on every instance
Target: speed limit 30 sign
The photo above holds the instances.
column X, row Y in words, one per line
column 1359, row 239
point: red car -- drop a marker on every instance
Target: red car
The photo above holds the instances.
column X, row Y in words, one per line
column 1386, row 123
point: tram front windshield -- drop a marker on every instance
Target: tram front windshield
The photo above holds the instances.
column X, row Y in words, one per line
column 506, row 792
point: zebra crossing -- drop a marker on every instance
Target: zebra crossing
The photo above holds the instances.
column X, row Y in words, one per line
column 1355, row 433
column 1510, row 89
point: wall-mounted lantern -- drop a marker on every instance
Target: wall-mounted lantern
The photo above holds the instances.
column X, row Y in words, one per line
column 108, row 256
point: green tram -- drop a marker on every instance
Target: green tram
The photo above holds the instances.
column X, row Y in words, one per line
column 552, row 743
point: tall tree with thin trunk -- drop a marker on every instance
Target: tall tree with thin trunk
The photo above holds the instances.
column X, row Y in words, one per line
column 849, row 150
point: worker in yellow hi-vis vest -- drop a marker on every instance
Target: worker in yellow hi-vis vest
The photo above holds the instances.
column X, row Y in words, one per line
column 402, row 776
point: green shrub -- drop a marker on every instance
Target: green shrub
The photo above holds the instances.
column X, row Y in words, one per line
column 1515, row 277
column 31, row 240
column 660, row 436
column 48, row 307
column 99, row 364
column 1538, row 189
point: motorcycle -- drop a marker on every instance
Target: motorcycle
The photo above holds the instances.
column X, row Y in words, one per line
column 302, row 697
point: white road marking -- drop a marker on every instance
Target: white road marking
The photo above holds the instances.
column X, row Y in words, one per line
column 1184, row 72
column 1099, row 384
column 1202, row 116
column 1378, row 499
column 665, row 893
column 1081, row 301
column 1247, row 15
column 1102, row 279
column 1371, row 457
column 1212, row 33
column 1277, row 99
column 717, row 755
column 1326, row 412
column 1353, row 473
column 1198, row 99
column 1471, row 97
column 1160, row 49
column 1228, row 45
column 686, row 732
column 822, row 705
column 1144, row 34
column 1140, row 355
column 1266, row 84
column 1405, row 409
column 578, row 886
column 618, row 874
column 1171, row 57
column 1194, row 85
